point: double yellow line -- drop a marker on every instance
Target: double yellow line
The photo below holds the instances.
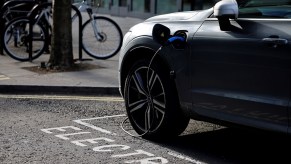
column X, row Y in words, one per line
column 3, row 77
column 58, row 97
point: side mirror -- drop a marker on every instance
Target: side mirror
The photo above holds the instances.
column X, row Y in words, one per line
column 161, row 33
column 226, row 8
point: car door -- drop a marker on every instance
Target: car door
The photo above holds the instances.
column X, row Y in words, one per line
column 242, row 75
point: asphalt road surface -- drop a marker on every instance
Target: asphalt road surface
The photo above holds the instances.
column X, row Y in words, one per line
column 74, row 129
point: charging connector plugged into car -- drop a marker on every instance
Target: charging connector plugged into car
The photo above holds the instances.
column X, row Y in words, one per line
column 161, row 34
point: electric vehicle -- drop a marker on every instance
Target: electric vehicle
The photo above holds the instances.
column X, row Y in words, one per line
column 228, row 65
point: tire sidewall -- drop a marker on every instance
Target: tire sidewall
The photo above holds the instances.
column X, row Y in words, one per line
column 172, row 113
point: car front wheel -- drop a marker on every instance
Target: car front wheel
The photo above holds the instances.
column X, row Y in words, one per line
column 152, row 103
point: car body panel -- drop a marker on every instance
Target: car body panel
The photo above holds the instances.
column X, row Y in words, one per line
column 241, row 75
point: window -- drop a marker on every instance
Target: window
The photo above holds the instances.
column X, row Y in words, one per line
column 141, row 5
column 264, row 9
column 166, row 6
column 188, row 5
column 123, row 3
column 114, row 3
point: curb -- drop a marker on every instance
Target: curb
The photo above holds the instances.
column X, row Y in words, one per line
column 71, row 90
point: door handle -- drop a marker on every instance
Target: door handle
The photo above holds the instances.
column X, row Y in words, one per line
column 275, row 41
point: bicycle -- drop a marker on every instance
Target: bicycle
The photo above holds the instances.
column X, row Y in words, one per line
column 16, row 8
column 16, row 36
column 106, row 39
column 12, row 9
column 101, row 36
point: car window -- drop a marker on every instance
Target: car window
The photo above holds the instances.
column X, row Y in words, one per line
column 264, row 8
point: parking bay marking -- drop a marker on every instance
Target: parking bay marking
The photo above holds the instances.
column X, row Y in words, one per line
column 105, row 148
column 81, row 121
column 150, row 158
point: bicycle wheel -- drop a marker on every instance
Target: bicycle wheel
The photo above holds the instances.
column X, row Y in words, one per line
column 102, row 37
column 15, row 39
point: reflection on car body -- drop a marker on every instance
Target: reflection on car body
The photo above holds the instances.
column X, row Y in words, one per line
column 233, row 68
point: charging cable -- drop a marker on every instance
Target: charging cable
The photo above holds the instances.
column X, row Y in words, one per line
column 149, row 108
column 171, row 40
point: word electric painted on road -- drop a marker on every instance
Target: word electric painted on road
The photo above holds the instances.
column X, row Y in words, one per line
column 109, row 146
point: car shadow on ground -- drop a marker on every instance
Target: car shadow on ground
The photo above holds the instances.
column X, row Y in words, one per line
column 232, row 145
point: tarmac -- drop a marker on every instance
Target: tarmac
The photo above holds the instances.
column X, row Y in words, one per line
column 101, row 77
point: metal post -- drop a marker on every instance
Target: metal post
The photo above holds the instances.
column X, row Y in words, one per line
column 30, row 39
column 1, row 26
column 80, row 31
column 1, row 29
column 80, row 34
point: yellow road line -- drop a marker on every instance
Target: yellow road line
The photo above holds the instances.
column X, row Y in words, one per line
column 53, row 97
column 3, row 77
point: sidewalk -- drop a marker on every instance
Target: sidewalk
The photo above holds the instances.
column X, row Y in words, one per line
column 100, row 79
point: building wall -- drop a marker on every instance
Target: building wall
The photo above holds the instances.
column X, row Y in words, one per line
column 147, row 8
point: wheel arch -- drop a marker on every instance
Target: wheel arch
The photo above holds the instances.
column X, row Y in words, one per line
column 175, row 121
column 136, row 54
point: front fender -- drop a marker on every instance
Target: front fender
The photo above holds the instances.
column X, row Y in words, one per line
column 175, row 60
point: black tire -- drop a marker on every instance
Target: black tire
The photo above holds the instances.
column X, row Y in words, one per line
column 18, row 47
column 110, row 40
column 153, row 113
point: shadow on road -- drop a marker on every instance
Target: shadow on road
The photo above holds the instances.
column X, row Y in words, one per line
column 232, row 145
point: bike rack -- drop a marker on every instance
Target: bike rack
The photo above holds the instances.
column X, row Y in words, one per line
column 33, row 15
column 80, row 34
column 1, row 29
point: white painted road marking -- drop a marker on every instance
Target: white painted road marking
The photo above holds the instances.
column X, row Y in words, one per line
column 180, row 156
column 151, row 158
column 81, row 121
column 62, row 129
column 92, row 140
column 185, row 158
column 64, row 136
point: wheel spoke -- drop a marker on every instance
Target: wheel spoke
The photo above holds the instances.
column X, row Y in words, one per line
column 159, row 106
column 152, row 80
column 148, row 119
column 137, row 105
column 139, row 83
column 159, row 95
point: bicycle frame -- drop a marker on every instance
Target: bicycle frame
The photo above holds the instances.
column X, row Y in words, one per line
column 82, row 7
column 16, row 6
column 45, row 13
